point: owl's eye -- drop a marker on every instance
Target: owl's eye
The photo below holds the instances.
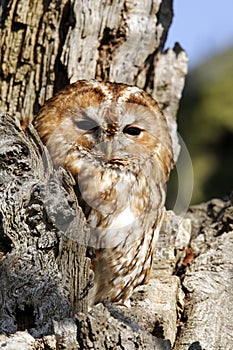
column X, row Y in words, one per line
column 87, row 125
column 132, row 130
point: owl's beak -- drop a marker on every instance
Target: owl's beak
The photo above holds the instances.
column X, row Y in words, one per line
column 108, row 149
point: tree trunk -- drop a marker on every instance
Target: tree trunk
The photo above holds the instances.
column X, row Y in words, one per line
column 207, row 281
column 44, row 269
column 47, row 44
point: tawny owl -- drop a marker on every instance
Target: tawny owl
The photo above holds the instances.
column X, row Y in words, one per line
column 115, row 141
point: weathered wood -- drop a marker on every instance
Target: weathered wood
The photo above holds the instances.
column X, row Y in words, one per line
column 28, row 186
column 105, row 47
column 107, row 330
column 43, row 267
column 44, row 271
column 20, row 340
column 208, row 281
column 45, row 45
column 30, row 37
column 40, row 226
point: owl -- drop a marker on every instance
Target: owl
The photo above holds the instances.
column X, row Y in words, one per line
column 115, row 141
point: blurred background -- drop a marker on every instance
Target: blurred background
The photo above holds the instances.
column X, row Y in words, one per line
column 205, row 120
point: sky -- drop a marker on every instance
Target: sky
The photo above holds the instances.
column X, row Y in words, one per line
column 202, row 27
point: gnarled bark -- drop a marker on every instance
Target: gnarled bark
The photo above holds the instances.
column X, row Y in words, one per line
column 44, row 268
column 46, row 45
column 208, row 313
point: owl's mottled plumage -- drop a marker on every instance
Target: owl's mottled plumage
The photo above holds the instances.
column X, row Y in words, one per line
column 115, row 141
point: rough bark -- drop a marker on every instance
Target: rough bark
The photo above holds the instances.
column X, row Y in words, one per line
column 207, row 319
column 44, row 269
column 45, row 45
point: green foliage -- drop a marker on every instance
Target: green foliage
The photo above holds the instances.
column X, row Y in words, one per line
column 206, row 126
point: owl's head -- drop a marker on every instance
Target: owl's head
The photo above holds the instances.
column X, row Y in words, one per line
column 114, row 124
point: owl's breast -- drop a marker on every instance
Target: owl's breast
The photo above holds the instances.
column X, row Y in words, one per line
column 117, row 201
